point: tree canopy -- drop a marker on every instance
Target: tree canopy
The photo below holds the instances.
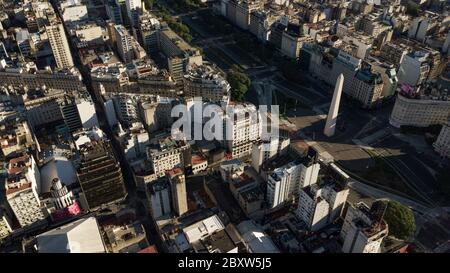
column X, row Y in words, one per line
column 239, row 83
column 400, row 220
column 412, row 9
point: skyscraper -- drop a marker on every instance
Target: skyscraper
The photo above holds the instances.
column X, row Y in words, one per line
column 134, row 7
column 178, row 186
column 123, row 43
column 58, row 42
column 330, row 126
column 99, row 174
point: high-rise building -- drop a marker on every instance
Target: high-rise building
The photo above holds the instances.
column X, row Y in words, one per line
column 126, row 108
column 242, row 128
column 276, row 34
column 393, row 53
column 204, row 82
column 420, row 26
column 263, row 151
column 70, row 114
column 123, row 43
column 367, row 86
column 322, row 203
column 388, row 75
column 347, row 65
column 22, row 190
column 156, row 114
column 158, row 194
column 178, row 186
column 238, row 11
column 3, row 52
column 292, row 40
column 23, row 42
column 149, row 32
column 414, row 68
column 114, row 12
column 58, row 42
column 285, row 182
column 261, row 22
column 364, row 229
column 179, row 54
column 99, row 174
column 134, row 8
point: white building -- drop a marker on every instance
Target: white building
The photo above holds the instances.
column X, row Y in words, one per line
column 255, row 239
column 419, row 112
column 320, row 205
column 347, row 65
column 22, row 190
column 203, row 229
column 414, row 68
column 158, row 193
column 90, row 33
column 126, row 107
column 136, row 142
column 242, row 128
column 263, row 151
column 202, row 81
column 81, row 236
column 86, row 111
column 285, row 182
column 361, row 231
column 421, row 25
column 361, row 44
column 134, row 7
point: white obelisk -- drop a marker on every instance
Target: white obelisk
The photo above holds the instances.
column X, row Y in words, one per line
column 330, row 126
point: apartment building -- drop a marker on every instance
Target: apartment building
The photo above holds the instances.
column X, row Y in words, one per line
column 166, row 153
column 22, row 190
column 420, row 110
column 204, row 82
column 364, row 229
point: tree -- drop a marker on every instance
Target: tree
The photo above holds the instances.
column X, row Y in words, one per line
column 239, row 83
column 400, row 220
column 412, row 9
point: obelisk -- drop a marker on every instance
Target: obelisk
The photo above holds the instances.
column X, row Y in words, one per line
column 330, row 126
